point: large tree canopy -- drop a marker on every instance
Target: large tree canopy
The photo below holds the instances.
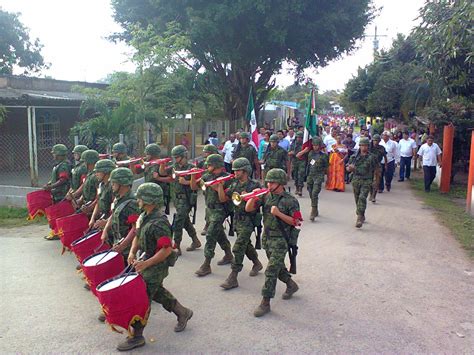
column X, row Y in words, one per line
column 243, row 43
column 16, row 47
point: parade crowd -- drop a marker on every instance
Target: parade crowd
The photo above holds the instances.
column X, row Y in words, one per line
column 244, row 185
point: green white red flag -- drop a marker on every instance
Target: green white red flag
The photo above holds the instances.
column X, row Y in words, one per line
column 311, row 125
column 252, row 119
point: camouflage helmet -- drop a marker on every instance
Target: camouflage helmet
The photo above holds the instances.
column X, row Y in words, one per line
column 179, row 151
column 244, row 135
column 215, row 160
column 317, row 140
column 274, row 138
column 122, row 176
column 79, row 149
column 153, row 150
column 299, row 134
column 59, row 149
column 210, row 148
column 242, row 164
column 151, row 194
column 376, row 137
column 90, row 156
column 276, row 175
column 364, row 141
column 104, row 166
column 119, row 148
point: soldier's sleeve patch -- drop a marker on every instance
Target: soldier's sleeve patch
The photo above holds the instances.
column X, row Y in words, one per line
column 64, row 175
column 163, row 242
column 132, row 219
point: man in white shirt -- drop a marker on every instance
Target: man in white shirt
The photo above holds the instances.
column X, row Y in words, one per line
column 391, row 148
column 430, row 154
column 228, row 150
column 330, row 140
column 407, row 150
column 290, row 137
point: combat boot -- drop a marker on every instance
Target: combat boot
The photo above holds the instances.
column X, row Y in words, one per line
column 183, row 314
column 263, row 308
column 178, row 247
column 227, row 259
column 362, row 217
column 314, row 213
column 359, row 222
column 291, row 288
column 205, row 268
column 231, row 281
column 257, row 266
column 374, row 195
column 134, row 341
column 194, row 245
column 204, row 231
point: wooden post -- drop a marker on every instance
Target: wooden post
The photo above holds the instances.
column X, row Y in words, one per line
column 470, row 181
column 447, row 159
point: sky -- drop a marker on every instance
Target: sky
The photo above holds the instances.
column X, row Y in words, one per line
column 74, row 37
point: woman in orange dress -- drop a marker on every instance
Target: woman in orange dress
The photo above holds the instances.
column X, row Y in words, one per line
column 335, row 180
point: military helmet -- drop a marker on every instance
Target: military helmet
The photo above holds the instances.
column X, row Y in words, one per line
column 210, row 148
column 242, row 164
column 364, row 141
column 151, row 194
column 244, row 135
column 153, row 149
column 122, row 176
column 179, row 151
column 276, row 175
column 119, row 148
column 59, row 149
column 104, row 166
column 317, row 140
column 79, row 149
column 215, row 160
column 90, row 156
column 274, row 138
column 376, row 137
column 299, row 134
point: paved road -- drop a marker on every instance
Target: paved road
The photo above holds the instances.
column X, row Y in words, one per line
column 401, row 284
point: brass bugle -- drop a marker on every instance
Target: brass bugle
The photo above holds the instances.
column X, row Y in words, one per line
column 156, row 162
column 192, row 171
column 237, row 198
column 206, row 184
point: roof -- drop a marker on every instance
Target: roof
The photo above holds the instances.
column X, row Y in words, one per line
column 290, row 104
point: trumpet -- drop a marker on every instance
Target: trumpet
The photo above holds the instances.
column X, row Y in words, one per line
column 237, row 198
column 128, row 162
column 156, row 162
column 192, row 171
column 205, row 185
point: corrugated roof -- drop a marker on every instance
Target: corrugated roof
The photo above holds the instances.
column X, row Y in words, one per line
column 21, row 94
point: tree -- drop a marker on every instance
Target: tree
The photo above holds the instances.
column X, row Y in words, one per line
column 243, row 43
column 16, row 47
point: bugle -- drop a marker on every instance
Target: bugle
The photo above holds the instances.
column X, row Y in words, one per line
column 123, row 163
column 156, row 162
column 237, row 198
column 193, row 171
column 206, row 184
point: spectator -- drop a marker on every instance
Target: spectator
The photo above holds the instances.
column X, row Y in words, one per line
column 185, row 141
column 430, row 154
column 407, row 150
column 330, row 140
column 392, row 154
column 282, row 141
column 263, row 145
column 290, row 137
column 228, row 150
column 261, row 134
column 212, row 139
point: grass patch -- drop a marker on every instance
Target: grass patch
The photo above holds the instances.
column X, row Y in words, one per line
column 16, row 217
column 450, row 211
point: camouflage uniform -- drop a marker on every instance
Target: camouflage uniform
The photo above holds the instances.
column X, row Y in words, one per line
column 104, row 191
column 79, row 168
column 379, row 152
column 298, row 165
column 89, row 191
column 154, row 151
column 246, row 151
column 275, row 157
column 318, row 165
column 120, row 148
column 62, row 169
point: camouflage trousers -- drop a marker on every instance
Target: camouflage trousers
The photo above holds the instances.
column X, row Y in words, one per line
column 182, row 220
column 361, row 190
column 276, row 249
column 156, row 291
column 299, row 171
column 243, row 245
column 376, row 182
column 314, row 187
column 215, row 232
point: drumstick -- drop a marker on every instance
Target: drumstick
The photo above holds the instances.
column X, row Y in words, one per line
column 142, row 255
column 96, row 249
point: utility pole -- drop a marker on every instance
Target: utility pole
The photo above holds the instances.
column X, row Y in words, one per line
column 375, row 41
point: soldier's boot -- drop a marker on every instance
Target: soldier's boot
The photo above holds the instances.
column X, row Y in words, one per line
column 228, row 257
column 374, row 196
column 263, row 308
column 178, row 247
column 195, row 244
column 205, row 268
column 204, row 231
column 359, row 222
column 183, row 314
column 257, row 266
column 301, row 191
column 291, row 288
column 101, row 317
column 362, row 217
column 314, row 213
column 134, row 341
column 231, row 281
column 371, row 195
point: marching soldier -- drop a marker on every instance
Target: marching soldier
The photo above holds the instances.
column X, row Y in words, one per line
column 90, row 182
column 275, row 156
column 153, row 237
column 185, row 197
column 379, row 153
column 244, row 222
column 216, row 213
column 119, row 152
column 318, row 165
column 362, row 166
column 206, row 151
column 281, row 213
column 298, row 162
column 245, row 150
column 78, row 170
column 102, row 170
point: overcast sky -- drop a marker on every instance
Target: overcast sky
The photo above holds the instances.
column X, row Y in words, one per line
column 74, row 37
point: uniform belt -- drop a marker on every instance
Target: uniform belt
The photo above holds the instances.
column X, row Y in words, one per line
column 275, row 234
column 181, row 196
column 242, row 216
column 215, row 206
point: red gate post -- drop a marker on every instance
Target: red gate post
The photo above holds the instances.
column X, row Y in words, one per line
column 447, row 159
column 470, row 181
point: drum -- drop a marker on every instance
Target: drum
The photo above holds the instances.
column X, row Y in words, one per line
column 71, row 228
column 36, row 203
column 102, row 266
column 58, row 210
column 124, row 300
column 86, row 245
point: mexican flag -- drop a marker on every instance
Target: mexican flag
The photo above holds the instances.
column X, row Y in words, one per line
column 250, row 116
column 310, row 126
